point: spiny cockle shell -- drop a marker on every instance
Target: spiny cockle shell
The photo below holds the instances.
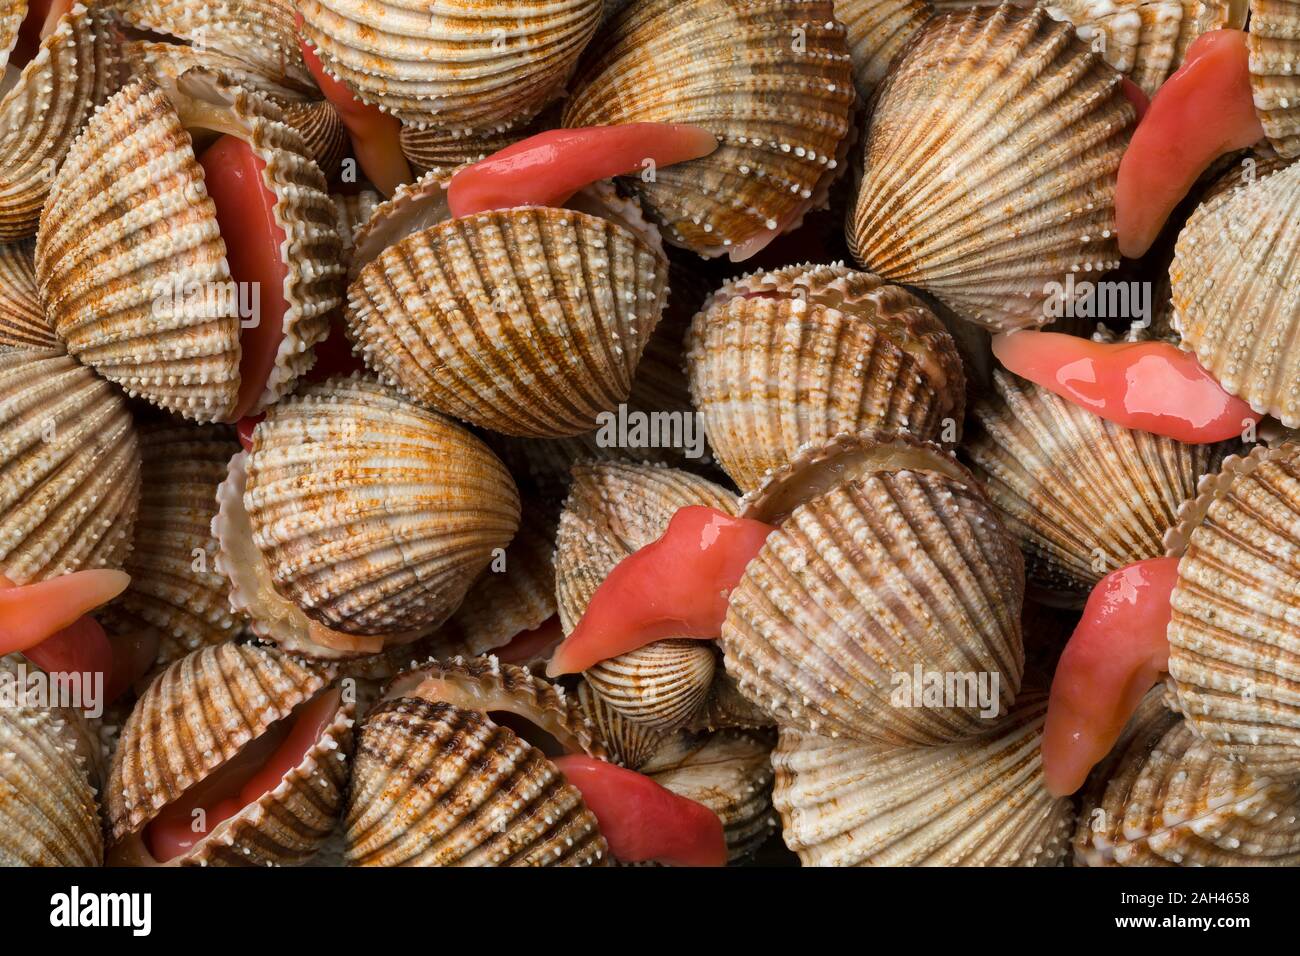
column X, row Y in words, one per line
column 12, row 14
column 527, row 321
column 130, row 260
column 1164, row 797
column 41, row 114
column 198, row 715
column 22, row 322
column 1274, row 41
column 442, row 780
column 661, row 685
column 323, row 133
column 1236, row 302
column 374, row 515
column 436, row 147
column 69, row 468
column 1082, row 495
column 980, row 802
column 877, row 31
column 988, row 187
column 456, row 64
column 627, row 743
column 778, row 360
column 772, row 79
column 1234, row 649
column 893, row 564
column 176, row 588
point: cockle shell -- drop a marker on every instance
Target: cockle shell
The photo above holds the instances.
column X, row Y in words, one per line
column 1082, row 495
column 987, row 189
column 198, row 715
column 889, row 560
column 129, row 233
column 1234, row 652
column 73, row 73
column 176, row 588
column 877, row 31
column 527, row 321
column 69, row 468
column 773, row 80
column 1274, row 41
column 323, row 133
column 22, row 323
column 782, row 359
column 441, row 779
column 979, row 802
column 373, row 515
column 436, row 147
column 12, row 15
column 1235, row 304
column 1165, row 797
column 627, row 743
column 459, row 64
column 661, row 685
column 352, row 212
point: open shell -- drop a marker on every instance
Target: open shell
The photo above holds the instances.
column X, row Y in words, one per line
column 1274, row 41
column 22, row 322
column 980, row 802
column 440, row 782
column 129, row 233
column 773, row 80
column 987, row 189
column 877, row 31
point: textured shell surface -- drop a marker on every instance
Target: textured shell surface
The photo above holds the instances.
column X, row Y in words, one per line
column 198, row 715
column 1236, row 303
column 780, row 107
column 442, row 780
column 481, row 65
column 877, row 31
column 22, row 322
column 12, row 14
column 980, row 802
column 899, row 570
column 129, row 233
column 782, row 359
column 374, row 515
column 661, row 685
column 436, row 147
column 1164, row 797
column 69, row 468
column 527, row 321
column 626, row 743
column 323, row 133
column 1082, row 495
column 990, row 165
column 1274, row 41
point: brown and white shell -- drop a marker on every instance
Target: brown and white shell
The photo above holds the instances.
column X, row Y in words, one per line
column 771, row 79
column 980, row 802
column 986, row 189
column 1274, row 41
column 130, row 261
column 41, row 114
column 1082, row 495
column 22, row 322
column 323, row 133
column 779, row 360
column 460, row 64
column 373, row 515
column 69, row 468
column 527, row 321
column 1235, row 304
column 626, row 743
column 441, row 779
column 888, row 560
column 877, row 31
column 1233, row 642
column 1165, row 797
column 199, row 714
column 437, row 147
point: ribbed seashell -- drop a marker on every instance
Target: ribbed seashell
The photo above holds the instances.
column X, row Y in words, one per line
column 374, row 516
column 166, row 61
column 1082, row 495
column 730, row 773
column 69, row 468
column 129, row 230
column 353, row 211
column 1234, row 305
column 175, row 585
column 1164, row 797
column 22, row 322
column 877, row 31
column 1233, row 644
column 773, row 80
column 198, row 715
column 891, row 561
column 783, row 359
column 989, row 190
column 527, row 321
column 441, row 779
column 322, row 132
column 627, row 743
column 12, row 15
column 437, row 147
column 980, row 802
column 1146, row 39
column 41, row 113
column 463, row 64
column 661, row 685
column 1274, row 41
